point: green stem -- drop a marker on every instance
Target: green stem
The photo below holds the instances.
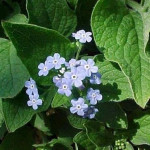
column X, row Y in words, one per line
column 134, row 5
column 79, row 50
column 76, row 146
column 142, row 2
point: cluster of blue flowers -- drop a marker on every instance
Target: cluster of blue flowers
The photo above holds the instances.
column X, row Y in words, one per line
column 72, row 74
column 32, row 91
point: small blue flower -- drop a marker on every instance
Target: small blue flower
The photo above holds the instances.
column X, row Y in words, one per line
column 56, row 61
column 88, row 67
column 76, row 76
column 78, row 106
column 90, row 112
column 34, row 101
column 72, row 63
column 93, row 96
column 44, row 69
column 95, row 78
column 64, row 87
column 31, row 87
column 82, row 36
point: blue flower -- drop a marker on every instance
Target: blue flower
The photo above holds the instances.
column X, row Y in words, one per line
column 64, row 87
column 90, row 112
column 88, row 67
column 93, row 96
column 56, row 61
column 34, row 101
column 82, row 36
column 72, row 63
column 95, row 78
column 76, row 76
column 44, row 69
column 31, row 87
column 78, row 106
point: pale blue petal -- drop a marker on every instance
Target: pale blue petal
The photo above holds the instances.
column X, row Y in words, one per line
column 68, row 92
column 94, row 69
column 80, row 112
column 77, row 83
column 82, row 40
column 57, row 66
column 39, row 102
column 56, row 56
column 91, row 62
column 29, row 103
column 40, row 73
column 34, row 106
column 41, row 66
column 73, row 110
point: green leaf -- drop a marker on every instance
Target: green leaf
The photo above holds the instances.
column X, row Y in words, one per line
column 22, row 139
column 17, row 113
column 144, row 11
column 53, row 14
column 129, row 146
column 40, row 124
column 19, row 18
column 98, row 135
column 35, row 43
column 112, row 78
column 13, row 73
column 1, row 114
column 119, row 31
column 54, row 144
column 61, row 100
column 112, row 114
column 76, row 121
column 73, row 3
column 82, row 140
column 59, row 125
column 59, row 144
column 139, row 128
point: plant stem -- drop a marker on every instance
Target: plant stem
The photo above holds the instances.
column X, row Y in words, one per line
column 79, row 50
column 142, row 2
column 76, row 147
column 134, row 5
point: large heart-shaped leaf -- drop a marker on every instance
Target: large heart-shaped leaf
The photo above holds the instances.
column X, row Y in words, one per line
column 53, row 14
column 35, row 43
column 121, row 33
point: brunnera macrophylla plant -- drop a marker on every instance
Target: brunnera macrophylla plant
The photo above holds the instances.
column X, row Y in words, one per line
column 74, row 75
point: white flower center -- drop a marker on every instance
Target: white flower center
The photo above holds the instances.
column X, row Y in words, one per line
column 78, row 107
column 74, row 76
column 93, row 95
column 55, row 61
column 33, row 100
column 32, row 86
column 83, row 35
column 72, row 64
column 87, row 67
column 65, row 86
column 45, row 68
